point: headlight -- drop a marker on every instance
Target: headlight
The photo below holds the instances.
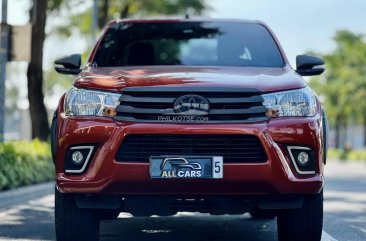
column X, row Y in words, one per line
column 300, row 102
column 89, row 102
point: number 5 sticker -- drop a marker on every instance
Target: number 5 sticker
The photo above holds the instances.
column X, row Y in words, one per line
column 217, row 167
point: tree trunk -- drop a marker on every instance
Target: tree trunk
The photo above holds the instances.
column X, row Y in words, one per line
column 103, row 15
column 125, row 11
column 38, row 113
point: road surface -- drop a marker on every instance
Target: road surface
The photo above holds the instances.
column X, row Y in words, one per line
column 27, row 214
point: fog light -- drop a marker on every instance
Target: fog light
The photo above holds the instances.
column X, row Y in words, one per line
column 303, row 158
column 77, row 157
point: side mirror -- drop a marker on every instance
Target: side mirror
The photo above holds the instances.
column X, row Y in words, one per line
column 309, row 65
column 69, row 64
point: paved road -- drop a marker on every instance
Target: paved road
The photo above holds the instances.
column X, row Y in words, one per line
column 345, row 216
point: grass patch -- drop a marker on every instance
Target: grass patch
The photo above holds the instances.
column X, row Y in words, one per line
column 25, row 162
column 345, row 155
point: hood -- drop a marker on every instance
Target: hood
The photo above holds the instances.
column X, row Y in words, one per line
column 118, row 78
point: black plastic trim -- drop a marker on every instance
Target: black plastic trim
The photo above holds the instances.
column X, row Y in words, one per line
column 281, row 202
column 146, row 205
column 98, row 201
column 252, row 99
column 129, row 98
column 185, row 89
column 234, row 148
column 170, row 111
column 250, row 110
column 249, row 120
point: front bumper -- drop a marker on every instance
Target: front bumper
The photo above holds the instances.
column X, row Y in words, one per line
column 104, row 175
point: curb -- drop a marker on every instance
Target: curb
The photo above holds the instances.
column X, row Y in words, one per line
column 21, row 195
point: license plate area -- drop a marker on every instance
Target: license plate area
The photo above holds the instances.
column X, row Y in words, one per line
column 187, row 167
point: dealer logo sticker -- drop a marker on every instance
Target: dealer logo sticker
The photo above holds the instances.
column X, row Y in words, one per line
column 179, row 167
column 166, row 167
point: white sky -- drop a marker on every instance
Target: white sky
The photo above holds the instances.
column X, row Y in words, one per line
column 300, row 25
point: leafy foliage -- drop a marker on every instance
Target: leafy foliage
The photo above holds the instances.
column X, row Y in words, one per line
column 24, row 163
column 344, row 86
column 350, row 155
column 113, row 9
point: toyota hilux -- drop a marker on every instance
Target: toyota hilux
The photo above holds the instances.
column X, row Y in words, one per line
column 205, row 115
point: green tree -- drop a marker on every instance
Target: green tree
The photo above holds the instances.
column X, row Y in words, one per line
column 112, row 9
column 344, row 85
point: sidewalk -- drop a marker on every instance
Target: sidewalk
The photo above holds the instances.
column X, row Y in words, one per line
column 20, row 195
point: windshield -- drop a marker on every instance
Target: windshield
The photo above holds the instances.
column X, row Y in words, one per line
column 188, row 43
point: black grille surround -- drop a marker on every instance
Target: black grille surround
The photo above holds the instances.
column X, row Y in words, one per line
column 226, row 105
column 233, row 148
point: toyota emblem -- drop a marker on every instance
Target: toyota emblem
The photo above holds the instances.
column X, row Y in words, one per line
column 191, row 105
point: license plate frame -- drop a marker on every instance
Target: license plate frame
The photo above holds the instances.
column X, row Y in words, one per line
column 186, row 167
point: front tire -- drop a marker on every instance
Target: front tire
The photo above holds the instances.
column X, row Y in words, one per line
column 303, row 224
column 72, row 222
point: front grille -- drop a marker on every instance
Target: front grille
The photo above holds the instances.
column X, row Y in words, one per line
column 233, row 148
column 157, row 104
